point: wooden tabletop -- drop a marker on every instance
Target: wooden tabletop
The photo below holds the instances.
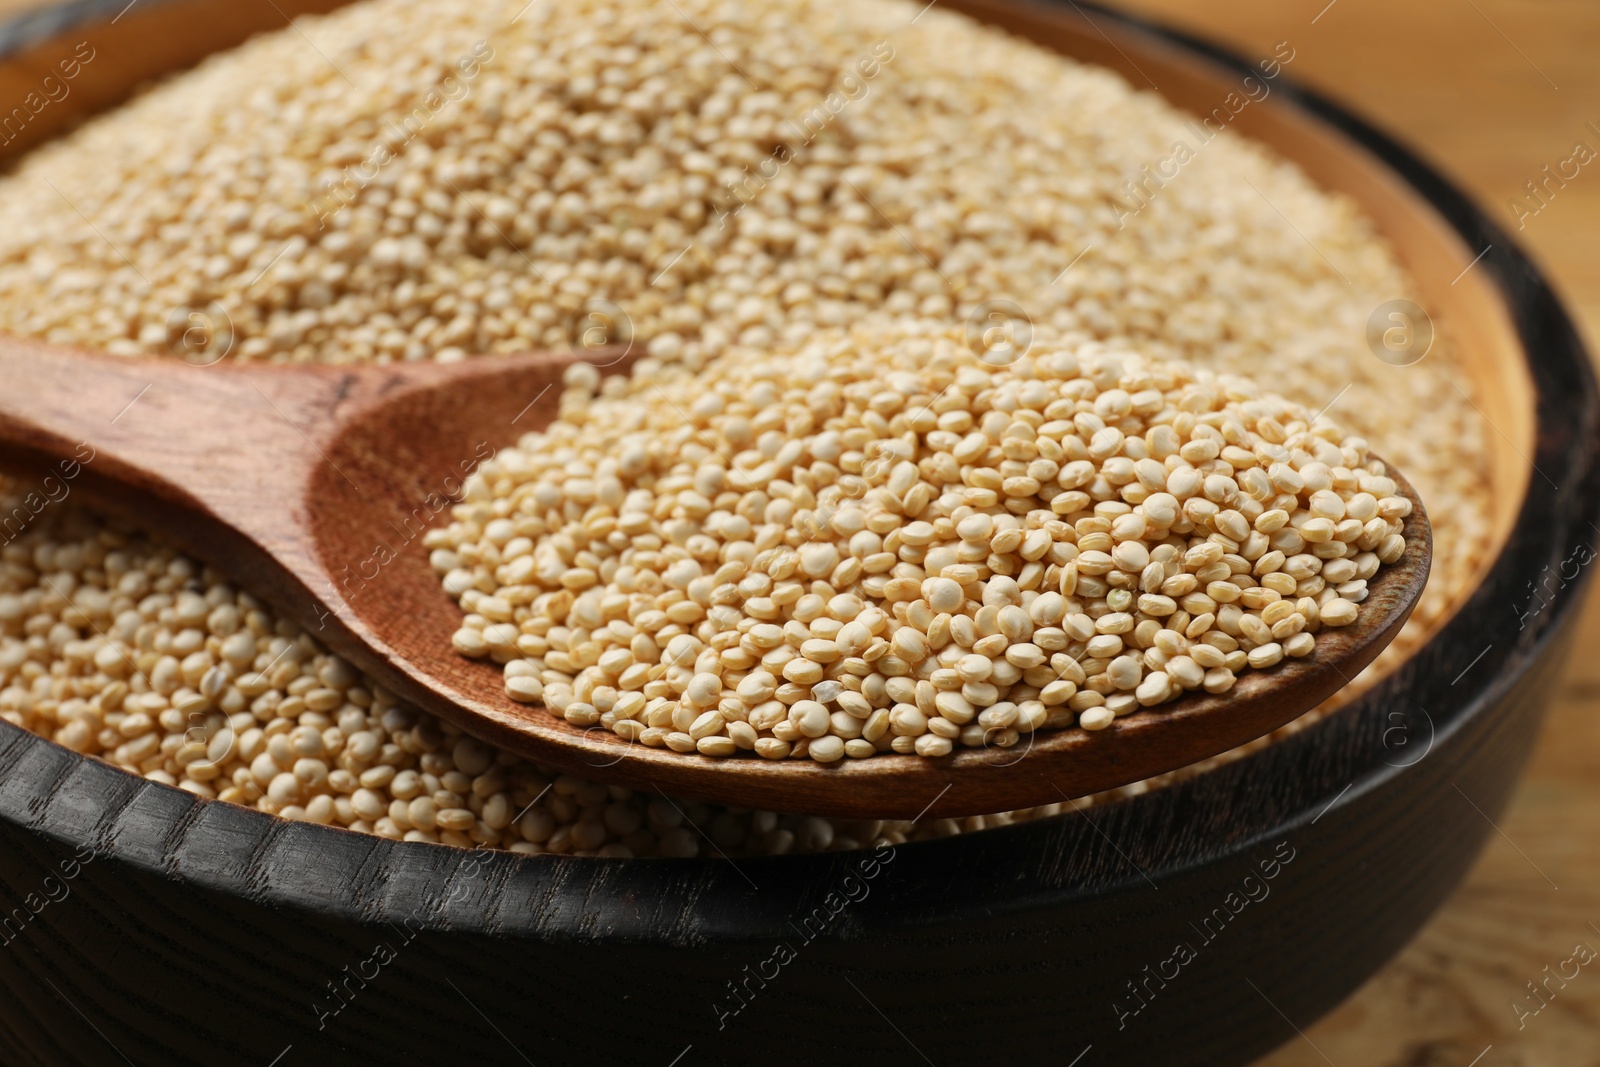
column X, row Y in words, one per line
column 1491, row 91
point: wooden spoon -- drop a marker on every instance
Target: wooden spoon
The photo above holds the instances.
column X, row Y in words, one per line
column 312, row 485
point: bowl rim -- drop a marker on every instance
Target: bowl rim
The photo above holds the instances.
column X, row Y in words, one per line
column 240, row 852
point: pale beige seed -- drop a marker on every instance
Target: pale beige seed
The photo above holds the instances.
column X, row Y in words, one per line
column 1096, row 718
column 1267, row 655
column 1338, row 612
column 1301, row 644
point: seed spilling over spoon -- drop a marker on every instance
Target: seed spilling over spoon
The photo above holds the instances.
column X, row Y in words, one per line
column 887, row 542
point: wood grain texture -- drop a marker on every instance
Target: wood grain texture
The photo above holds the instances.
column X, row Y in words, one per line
column 314, row 486
column 1441, row 75
column 203, row 933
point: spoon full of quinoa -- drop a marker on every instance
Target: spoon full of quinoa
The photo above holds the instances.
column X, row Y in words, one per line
column 876, row 571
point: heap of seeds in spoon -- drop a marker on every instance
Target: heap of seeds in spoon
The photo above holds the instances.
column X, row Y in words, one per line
column 892, row 541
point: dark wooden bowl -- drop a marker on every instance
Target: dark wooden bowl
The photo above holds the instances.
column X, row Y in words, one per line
column 145, row 926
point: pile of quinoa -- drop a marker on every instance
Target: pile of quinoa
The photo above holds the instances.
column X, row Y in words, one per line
column 429, row 180
column 897, row 541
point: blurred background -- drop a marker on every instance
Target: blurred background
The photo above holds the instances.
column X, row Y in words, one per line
column 1491, row 91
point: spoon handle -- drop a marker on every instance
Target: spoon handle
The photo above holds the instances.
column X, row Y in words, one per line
column 180, row 449
column 225, row 461
column 215, row 459
column 309, row 485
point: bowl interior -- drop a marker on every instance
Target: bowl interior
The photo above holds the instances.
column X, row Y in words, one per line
column 158, row 37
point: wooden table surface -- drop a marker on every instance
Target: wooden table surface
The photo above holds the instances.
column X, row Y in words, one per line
column 1491, row 91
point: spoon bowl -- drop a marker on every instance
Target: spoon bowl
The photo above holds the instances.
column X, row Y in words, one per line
column 313, row 486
